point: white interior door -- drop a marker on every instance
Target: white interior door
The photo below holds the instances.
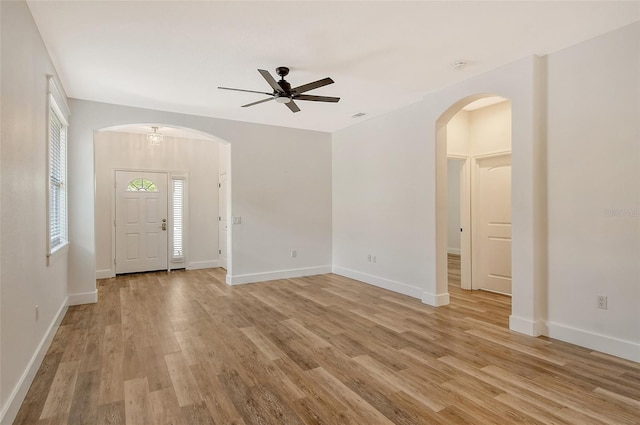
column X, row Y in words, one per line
column 141, row 221
column 492, row 247
column 222, row 221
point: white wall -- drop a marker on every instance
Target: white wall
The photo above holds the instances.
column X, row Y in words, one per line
column 454, row 167
column 458, row 137
column 26, row 280
column 482, row 131
column 224, row 153
column 197, row 158
column 490, row 129
column 594, row 192
column 280, row 183
column 380, row 202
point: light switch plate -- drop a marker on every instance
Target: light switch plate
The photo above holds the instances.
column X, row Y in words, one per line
column 237, row 219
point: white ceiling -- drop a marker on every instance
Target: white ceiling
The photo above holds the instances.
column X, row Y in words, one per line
column 172, row 55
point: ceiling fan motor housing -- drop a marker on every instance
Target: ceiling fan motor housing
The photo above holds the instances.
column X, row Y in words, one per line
column 282, row 71
column 285, row 86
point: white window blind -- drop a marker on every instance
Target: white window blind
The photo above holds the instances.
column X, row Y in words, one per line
column 178, row 219
column 57, row 184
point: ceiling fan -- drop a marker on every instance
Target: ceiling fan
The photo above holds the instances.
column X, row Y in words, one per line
column 283, row 93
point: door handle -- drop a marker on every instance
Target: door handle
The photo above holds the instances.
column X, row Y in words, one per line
column 164, row 224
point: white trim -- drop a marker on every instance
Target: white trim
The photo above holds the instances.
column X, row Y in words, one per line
column 506, row 294
column 489, row 155
column 457, row 156
column 60, row 252
column 105, row 274
column 15, row 399
column 525, row 326
column 435, row 300
column 453, row 251
column 617, row 347
column 275, row 275
column 465, row 224
column 197, row 265
column 55, row 90
column 381, row 282
column 83, row 298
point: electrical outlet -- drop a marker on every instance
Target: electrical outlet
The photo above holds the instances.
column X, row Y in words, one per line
column 602, row 302
column 294, row 253
column 369, row 258
column 37, row 313
column 373, row 259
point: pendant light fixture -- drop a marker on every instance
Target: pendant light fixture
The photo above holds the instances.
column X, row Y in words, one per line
column 154, row 137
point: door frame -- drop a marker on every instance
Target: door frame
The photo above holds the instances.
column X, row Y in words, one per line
column 224, row 214
column 475, row 226
column 170, row 175
column 466, row 259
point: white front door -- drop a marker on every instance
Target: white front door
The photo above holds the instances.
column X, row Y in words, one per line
column 222, row 221
column 493, row 215
column 141, row 221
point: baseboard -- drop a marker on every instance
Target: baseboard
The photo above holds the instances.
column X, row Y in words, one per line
column 616, row 347
column 105, row 274
column 454, row 251
column 197, row 265
column 435, row 300
column 526, row 326
column 381, row 282
column 275, row 275
column 11, row 408
column 83, row 298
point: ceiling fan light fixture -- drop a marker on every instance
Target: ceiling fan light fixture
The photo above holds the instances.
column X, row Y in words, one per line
column 154, row 137
column 284, row 93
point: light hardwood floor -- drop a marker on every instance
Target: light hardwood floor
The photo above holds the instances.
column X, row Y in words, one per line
column 184, row 348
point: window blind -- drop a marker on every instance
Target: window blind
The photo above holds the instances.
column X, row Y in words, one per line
column 57, row 176
column 178, row 219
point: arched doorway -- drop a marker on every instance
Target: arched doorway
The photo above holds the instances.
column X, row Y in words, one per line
column 478, row 140
column 190, row 167
column 441, row 198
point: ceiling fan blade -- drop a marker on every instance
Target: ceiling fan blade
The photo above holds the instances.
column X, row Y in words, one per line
column 317, row 98
column 260, row 101
column 310, row 86
column 272, row 82
column 292, row 105
column 248, row 91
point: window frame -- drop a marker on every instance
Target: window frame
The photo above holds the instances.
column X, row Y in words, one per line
column 56, row 105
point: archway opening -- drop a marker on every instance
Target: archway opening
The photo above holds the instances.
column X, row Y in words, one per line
column 473, row 168
column 181, row 224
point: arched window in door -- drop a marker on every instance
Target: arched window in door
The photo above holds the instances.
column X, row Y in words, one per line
column 141, row 185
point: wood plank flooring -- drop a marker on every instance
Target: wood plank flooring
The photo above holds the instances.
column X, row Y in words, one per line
column 184, row 348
